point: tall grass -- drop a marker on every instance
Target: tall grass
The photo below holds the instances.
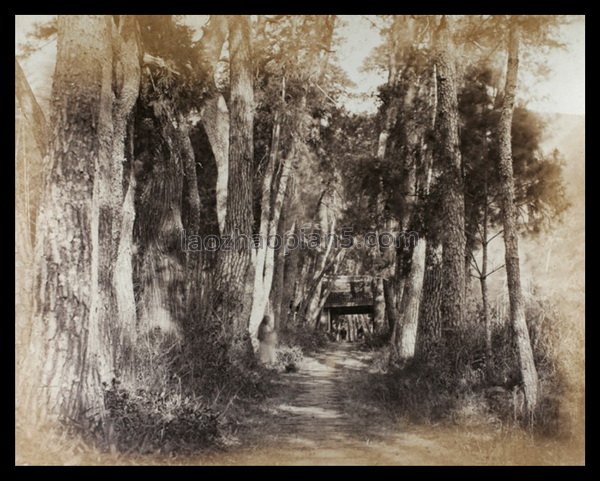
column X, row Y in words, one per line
column 462, row 386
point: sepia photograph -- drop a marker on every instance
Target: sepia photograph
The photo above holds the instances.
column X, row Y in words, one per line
column 300, row 240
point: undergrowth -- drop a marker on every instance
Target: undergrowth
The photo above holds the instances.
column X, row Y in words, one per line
column 459, row 387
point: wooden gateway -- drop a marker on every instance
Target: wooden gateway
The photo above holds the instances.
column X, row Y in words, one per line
column 351, row 295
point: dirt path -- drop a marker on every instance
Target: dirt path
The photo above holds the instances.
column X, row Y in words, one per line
column 309, row 422
column 318, row 419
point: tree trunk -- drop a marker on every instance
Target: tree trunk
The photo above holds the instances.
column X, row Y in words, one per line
column 378, row 305
column 509, row 217
column 389, row 293
column 160, row 260
column 266, row 255
column 453, row 209
column 290, row 276
column 278, row 277
column 126, row 62
column 233, row 286
column 430, row 312
column 31, row 150
column 409, row 306
column 69, row 344
column 484, row 289
column 215, row 114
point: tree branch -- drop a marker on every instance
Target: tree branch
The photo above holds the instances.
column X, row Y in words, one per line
column 494, row 270
column 475, row 263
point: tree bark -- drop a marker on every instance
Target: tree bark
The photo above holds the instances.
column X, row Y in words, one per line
column 411, row 298
column 160, row 259
column 277, row 289
column 290, row 276
column 378, row 304
column 31, row 152
column 430, row 312
column 509, row 218
column 69, row 344
column 31, row 168
column 453, row 215
column 127, row 73
column 215, row 114
column 484, row 288
column 233, row 286
column 265, row 263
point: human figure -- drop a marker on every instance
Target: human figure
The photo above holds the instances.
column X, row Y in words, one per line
column 267, row 338
column 343, row 330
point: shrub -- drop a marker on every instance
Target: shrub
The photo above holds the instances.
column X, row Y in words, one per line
column 375, row 340
column 288, row 358
column 459, row 385
column 166, row 422
column 180, row 391
column 308, row 340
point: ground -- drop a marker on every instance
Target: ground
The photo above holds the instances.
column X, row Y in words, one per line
column 323, row 415
column 314, row 421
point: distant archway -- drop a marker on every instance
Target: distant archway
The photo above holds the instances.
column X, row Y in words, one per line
column 347, row 296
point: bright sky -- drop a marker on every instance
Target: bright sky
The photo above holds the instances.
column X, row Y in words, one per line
column 562, row 90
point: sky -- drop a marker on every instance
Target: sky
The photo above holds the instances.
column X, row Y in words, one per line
column 561, row 91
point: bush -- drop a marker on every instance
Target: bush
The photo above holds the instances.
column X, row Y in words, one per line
column 180, row 397
column 458, row 385
column 308, row 340
column 166, row 422
column 288, row 358
column 375, row 340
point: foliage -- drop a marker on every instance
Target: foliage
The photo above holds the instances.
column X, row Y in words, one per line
column 539, row 185
column 306, row 339
column 180, row 74
column 41, row 33
column 448, row 387
column 288, row 358
column 166, row 422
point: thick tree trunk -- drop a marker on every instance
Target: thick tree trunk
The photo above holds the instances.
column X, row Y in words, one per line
column 69, row 344
column 509, row 217
column 191, row 217
column 161, row 260
column 215, row 120
column 215, row 114
column 453, row 215
column 413, row 134
column 409, row 306
column 430, row 312
column 127, row 71
column 233, row 286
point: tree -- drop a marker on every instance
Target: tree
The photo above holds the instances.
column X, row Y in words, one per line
column 70, row 337
column 509, row 214
column 452, row 189
column 167, row 201
column 215, row 113
column 233, row 296
column 539, row 189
